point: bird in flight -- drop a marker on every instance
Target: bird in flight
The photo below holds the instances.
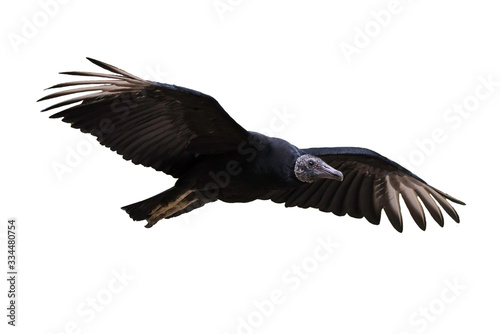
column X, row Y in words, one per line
column 188, row 135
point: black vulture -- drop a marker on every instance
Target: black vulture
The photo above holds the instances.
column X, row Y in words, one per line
column 188, row 135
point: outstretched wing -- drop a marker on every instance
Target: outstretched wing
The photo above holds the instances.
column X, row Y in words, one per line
column 153, row 124
column 372, row 183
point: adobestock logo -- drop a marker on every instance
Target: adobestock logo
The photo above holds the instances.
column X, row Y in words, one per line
column 292, row 279
column 88, row 310
column 34, row 23
column 222, row 7
column 364, row 35
column 453, row 118
column 431, row 311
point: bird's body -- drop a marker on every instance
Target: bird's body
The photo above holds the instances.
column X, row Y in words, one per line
column 188, row 135
column 262, row 165
column 242, row 175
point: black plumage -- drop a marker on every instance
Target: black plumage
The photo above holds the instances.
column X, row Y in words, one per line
column 187, row 134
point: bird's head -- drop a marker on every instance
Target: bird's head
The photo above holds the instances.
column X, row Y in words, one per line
column 309, row 168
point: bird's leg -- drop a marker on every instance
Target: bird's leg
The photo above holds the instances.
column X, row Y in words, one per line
column 162, row 211
column 181, row 206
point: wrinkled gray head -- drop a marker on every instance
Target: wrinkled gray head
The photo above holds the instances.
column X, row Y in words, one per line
column 309, row 168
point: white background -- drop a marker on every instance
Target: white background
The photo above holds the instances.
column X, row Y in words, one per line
column 204, row 272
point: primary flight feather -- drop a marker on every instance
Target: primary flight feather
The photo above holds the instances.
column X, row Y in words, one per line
column 187, row 134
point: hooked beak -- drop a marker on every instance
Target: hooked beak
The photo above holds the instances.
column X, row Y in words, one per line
column 326, row 171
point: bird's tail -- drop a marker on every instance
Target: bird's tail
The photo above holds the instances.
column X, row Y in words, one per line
column 142, row 210
column 170, row 203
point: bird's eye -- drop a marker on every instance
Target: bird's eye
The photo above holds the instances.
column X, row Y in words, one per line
column 311, row 163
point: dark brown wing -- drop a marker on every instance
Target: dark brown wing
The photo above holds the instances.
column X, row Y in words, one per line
column 153, row 124
column 372, row 183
